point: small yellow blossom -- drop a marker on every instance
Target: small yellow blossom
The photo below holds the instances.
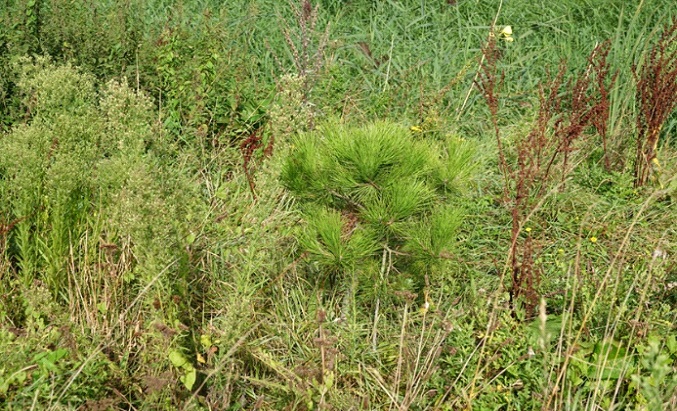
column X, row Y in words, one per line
column 201, row 359
column 506, row 33
column 416, row 129
column 593, row 239
column 528, row 229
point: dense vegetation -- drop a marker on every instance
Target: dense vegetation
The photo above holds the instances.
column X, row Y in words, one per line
column 338, row 204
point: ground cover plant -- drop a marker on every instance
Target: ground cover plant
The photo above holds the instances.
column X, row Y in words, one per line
column 338, row 205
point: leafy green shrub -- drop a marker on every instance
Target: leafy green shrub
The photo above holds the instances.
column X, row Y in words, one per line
column 204, row 88
column 40, row 358
column 98, row 207
column 655, row 384
column 376, row 195
column 86, row 168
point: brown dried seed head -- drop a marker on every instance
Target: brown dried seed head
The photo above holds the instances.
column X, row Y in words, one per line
column 321, row 316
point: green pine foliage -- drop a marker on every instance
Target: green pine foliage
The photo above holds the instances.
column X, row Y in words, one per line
column 332, row 249
column 367, row 190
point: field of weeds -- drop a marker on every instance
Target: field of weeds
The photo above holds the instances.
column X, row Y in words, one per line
column 338, row 205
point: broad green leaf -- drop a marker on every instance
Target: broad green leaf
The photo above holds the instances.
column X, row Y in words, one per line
column 188, row 379
column 177, row 358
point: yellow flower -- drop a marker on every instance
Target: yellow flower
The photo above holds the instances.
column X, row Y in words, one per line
column 593, row 239
column 416, row 129
column 656, row 163
column 528, row 229
column 506, row 33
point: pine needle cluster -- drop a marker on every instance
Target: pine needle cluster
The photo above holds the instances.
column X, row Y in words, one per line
column 376, row 194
